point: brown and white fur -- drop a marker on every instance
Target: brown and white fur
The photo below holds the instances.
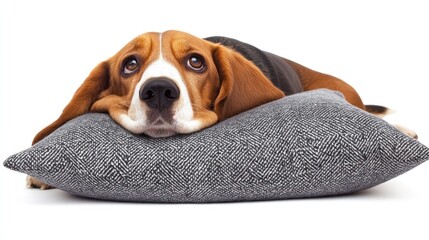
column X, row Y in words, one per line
column 162, row 84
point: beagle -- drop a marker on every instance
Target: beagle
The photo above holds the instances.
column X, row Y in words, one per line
column 162, row 84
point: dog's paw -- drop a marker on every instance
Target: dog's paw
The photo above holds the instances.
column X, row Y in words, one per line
column 36, row 183
column 406, row 131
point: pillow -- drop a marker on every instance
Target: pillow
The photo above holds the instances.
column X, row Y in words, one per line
column 311, row 144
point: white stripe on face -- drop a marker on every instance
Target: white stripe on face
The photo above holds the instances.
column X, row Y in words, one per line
column 136, row 120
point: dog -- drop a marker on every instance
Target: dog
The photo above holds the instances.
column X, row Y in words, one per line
column 162, row 84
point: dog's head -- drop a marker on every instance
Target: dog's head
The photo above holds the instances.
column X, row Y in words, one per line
column 161, row 84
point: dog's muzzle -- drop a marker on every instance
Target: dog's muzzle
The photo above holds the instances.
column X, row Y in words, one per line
column 159, row 93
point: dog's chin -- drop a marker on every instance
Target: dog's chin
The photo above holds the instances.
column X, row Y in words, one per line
column 160, row 132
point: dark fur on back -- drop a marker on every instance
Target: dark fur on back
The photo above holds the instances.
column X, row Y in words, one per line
column 275, row 68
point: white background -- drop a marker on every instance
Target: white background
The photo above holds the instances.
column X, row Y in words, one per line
column 49, row 47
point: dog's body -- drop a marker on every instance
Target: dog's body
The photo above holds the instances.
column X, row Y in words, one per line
column 275, row 68
column 286, row 75
column 161, row 84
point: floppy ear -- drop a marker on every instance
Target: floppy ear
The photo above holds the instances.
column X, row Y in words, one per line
column 243, row 85
column 82, row 100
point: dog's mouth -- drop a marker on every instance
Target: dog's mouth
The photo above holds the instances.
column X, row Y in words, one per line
column 160, row 126
column 160, row 132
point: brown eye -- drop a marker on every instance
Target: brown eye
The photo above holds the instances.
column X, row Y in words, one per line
column 196, row 63
column 130, row 66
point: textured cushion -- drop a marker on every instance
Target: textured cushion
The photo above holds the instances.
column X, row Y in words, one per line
column 307, row 145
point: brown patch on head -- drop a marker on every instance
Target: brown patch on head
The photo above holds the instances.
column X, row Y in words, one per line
column 229, row 83
column 219, row 83
column 202, row 84
column 106, row 79
column 144, row 49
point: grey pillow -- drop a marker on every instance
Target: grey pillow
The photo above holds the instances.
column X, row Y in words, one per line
column 307, row 145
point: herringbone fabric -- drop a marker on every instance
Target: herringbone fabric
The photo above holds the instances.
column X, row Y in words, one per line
column 307, row 145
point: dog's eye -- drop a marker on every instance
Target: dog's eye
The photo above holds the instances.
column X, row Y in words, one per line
column 196, row 63
column 130, row 66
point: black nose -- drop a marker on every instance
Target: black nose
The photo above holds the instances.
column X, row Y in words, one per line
column 159, row 93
